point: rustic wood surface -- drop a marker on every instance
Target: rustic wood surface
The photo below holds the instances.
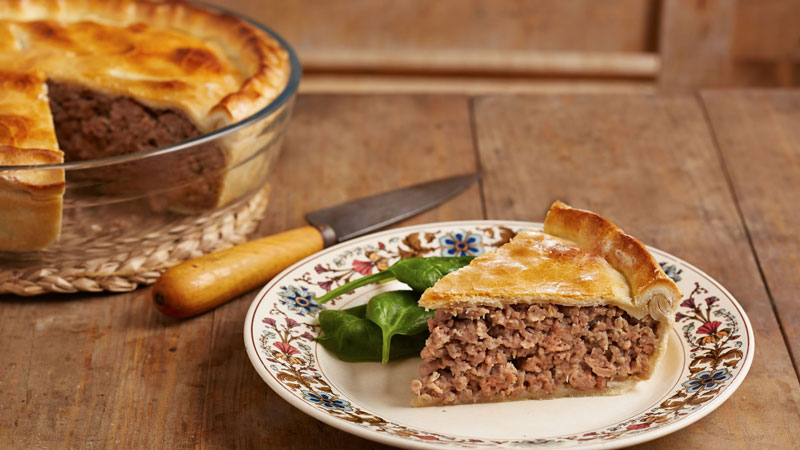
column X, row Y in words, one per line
column 650, row 163
column 712, row 179
column 349, row 26
column 696, row 39
column 766, row 43
column 759, row 134
column 463, row 85
column 478, row 46
column 513, row 45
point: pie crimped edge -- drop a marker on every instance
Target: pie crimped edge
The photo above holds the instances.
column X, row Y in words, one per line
column 577, row 243
column 31, row 201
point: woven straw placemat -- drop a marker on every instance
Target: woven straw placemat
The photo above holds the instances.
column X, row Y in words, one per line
column 120, row 263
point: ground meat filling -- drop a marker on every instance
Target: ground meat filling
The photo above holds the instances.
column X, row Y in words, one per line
column 534, row 350
column 91, row 124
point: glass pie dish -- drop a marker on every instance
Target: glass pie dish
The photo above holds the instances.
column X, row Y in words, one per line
column 128, row 217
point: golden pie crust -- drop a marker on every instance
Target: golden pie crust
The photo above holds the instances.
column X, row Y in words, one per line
column 214, row 68
column 581, row 259
column 30, row 200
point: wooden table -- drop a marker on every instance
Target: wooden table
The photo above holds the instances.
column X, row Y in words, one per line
column 712, row 178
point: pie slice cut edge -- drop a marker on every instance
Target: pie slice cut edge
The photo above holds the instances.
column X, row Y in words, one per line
column 576, row 310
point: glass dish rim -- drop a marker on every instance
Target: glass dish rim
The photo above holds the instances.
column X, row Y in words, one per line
column 289, row 90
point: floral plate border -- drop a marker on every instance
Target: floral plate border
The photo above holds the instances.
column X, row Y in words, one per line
column 280, row 327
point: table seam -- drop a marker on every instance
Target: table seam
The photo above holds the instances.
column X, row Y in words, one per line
column 473, row 127
column 743, row 221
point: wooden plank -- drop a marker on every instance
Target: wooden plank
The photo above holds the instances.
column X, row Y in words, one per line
column 765, row 43
column 337, row 148
column 350, row 27
column 578, row 25
column 695, row 43
column 767, row 30
column 649, row 163
column 759, row 139
column 16, row 339
column 507, row 62
column 96, row 371
column 100, row 371
column 407, row 84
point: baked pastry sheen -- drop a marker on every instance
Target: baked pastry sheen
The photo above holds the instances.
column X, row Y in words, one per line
column 581, row 259
column 587, row 268
column 210, row 68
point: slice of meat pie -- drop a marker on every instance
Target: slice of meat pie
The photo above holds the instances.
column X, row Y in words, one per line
column 579, row 309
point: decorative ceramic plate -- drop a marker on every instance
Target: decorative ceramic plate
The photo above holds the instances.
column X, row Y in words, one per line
column 709, row 354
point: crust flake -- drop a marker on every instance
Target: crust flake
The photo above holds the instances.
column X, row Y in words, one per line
column 527, row 265
column 651, row 288
column 212, row 66
column 228, row 69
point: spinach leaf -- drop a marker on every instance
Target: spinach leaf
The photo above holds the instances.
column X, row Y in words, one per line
column 417, row 273
column 392, row 324
column 421, row 273
column 397, row 313
column 351, row 337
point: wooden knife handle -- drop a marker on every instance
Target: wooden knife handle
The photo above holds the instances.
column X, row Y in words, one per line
column 203, row 283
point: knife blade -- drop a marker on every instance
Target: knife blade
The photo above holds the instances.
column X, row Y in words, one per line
column 358, row 217
column 203, row 283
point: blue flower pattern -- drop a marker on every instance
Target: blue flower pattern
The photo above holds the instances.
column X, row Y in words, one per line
column 327, row 401
column 672, row 271
column 706, row 380
column 461, row 243
column 299, row 300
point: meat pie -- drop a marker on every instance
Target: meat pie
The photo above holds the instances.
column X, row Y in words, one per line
column 90, row 79
column 579, row 309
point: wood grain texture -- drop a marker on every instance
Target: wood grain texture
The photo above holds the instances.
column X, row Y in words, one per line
column 322, row 83
column 102, row 371
column 99, row 371
column 648, row 163
column 759, row 139
column 201, row 284
column 421, row 25
column 108, row 371
column 502, row 62
column 767, row 30
column 695, row 43
column 337, row 148
column 613, row 39
column 766, row 43
column 682, row 44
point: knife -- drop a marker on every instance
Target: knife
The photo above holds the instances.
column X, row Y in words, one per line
column 203, row 283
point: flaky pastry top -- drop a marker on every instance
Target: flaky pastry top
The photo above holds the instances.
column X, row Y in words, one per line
column 27, row 135
column 534, row 267
column 652, row 291
column 25, row 119
column 214, row 67
column 581, row 259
